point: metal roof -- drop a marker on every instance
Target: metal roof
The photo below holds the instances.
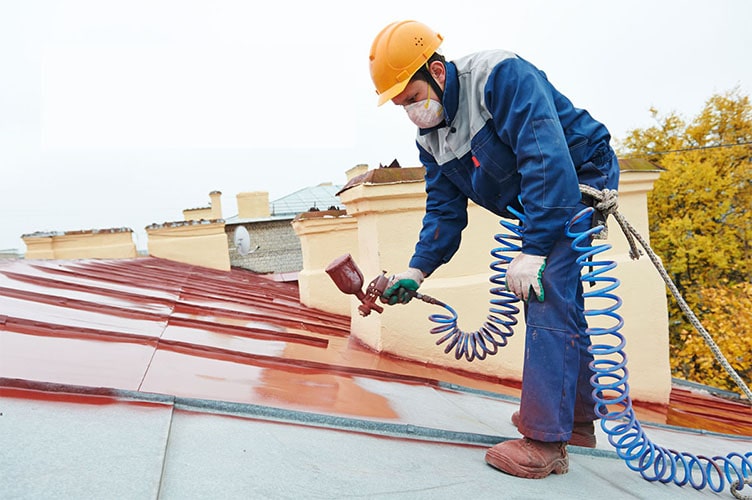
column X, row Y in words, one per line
column 320, row 197
column 639, row 165
column 146, row 378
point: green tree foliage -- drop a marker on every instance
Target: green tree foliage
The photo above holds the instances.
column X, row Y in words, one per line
column 701, row 226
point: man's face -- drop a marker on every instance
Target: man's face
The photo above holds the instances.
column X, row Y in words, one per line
column 416, row 91
column 420, row 90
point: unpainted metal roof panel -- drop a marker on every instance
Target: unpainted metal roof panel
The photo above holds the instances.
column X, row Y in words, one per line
column 80, row 447
column 113, row 446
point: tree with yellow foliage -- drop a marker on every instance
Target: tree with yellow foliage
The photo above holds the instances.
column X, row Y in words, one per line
column 700, row 214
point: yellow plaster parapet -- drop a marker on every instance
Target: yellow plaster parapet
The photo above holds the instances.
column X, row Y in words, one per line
column 196, row 214
column 107, row 244
column 321, row 233
column 201, row 243
column 115, row 243
column 389, row 204
column 39, row 245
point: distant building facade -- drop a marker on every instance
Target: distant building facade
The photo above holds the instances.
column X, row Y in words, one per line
column 274, row 247
column 204, row 238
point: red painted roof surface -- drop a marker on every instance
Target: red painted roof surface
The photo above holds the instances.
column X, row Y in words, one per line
column 157, row 326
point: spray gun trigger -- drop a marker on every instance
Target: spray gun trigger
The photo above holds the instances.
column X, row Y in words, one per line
column 374, row 290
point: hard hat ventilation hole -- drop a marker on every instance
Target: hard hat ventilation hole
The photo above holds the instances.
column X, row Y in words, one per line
column 418, row 40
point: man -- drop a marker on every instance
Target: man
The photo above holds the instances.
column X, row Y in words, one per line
column 493, row 129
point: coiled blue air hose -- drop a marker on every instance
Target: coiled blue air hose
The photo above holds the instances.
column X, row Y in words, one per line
column 611, row 378
column 611, row 389
column 500, row 322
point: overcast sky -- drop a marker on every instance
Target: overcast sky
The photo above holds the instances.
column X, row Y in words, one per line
column 124, row 113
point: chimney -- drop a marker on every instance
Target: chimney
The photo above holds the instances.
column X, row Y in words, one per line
column 216, row 204
column 357, row 170
column 253, row 205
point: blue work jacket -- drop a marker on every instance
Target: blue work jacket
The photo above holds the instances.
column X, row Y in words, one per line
column 509, row 139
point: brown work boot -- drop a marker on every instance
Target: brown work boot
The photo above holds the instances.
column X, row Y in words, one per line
column 583, row 433
column 529, row 458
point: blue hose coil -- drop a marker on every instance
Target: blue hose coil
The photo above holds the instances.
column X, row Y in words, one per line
column 610, row 383
column 502, row 317
column 610, row 378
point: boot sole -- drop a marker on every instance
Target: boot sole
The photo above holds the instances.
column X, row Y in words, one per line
column 584, row 441
column 558, row 466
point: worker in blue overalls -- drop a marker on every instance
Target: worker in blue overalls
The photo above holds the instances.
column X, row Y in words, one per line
column 493, row 129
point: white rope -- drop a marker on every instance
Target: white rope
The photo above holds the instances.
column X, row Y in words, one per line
column 607, row 203
column 735, row 488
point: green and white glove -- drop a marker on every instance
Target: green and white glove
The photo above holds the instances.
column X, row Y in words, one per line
column 401, row 285
column 526, row 272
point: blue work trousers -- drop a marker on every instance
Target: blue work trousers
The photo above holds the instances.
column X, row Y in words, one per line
column 556, row 388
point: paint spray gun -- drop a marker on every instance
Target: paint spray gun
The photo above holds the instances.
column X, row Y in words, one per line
column 471, row 345
column 348, row 278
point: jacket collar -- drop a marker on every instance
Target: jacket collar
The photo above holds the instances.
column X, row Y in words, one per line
column 451, row 93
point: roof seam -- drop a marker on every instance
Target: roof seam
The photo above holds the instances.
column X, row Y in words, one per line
column 164, row 452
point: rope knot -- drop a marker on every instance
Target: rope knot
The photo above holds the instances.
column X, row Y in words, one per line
column 608, row 201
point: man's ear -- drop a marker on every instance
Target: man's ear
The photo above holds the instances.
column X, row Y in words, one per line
column 438, row 71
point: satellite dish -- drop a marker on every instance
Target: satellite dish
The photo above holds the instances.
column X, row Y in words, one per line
column 242, row 240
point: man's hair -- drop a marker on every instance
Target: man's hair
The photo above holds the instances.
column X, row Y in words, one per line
column 423, row 73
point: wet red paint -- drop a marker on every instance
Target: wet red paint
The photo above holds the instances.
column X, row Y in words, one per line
column 71, row 360
column 42, row 392
column 158, row 326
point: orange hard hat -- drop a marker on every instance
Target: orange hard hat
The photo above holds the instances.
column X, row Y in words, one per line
column 397, row 52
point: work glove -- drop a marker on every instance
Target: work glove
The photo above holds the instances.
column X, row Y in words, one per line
column 401, row 285
column 526, row 272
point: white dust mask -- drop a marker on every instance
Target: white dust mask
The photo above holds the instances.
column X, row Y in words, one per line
column 425, row 114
